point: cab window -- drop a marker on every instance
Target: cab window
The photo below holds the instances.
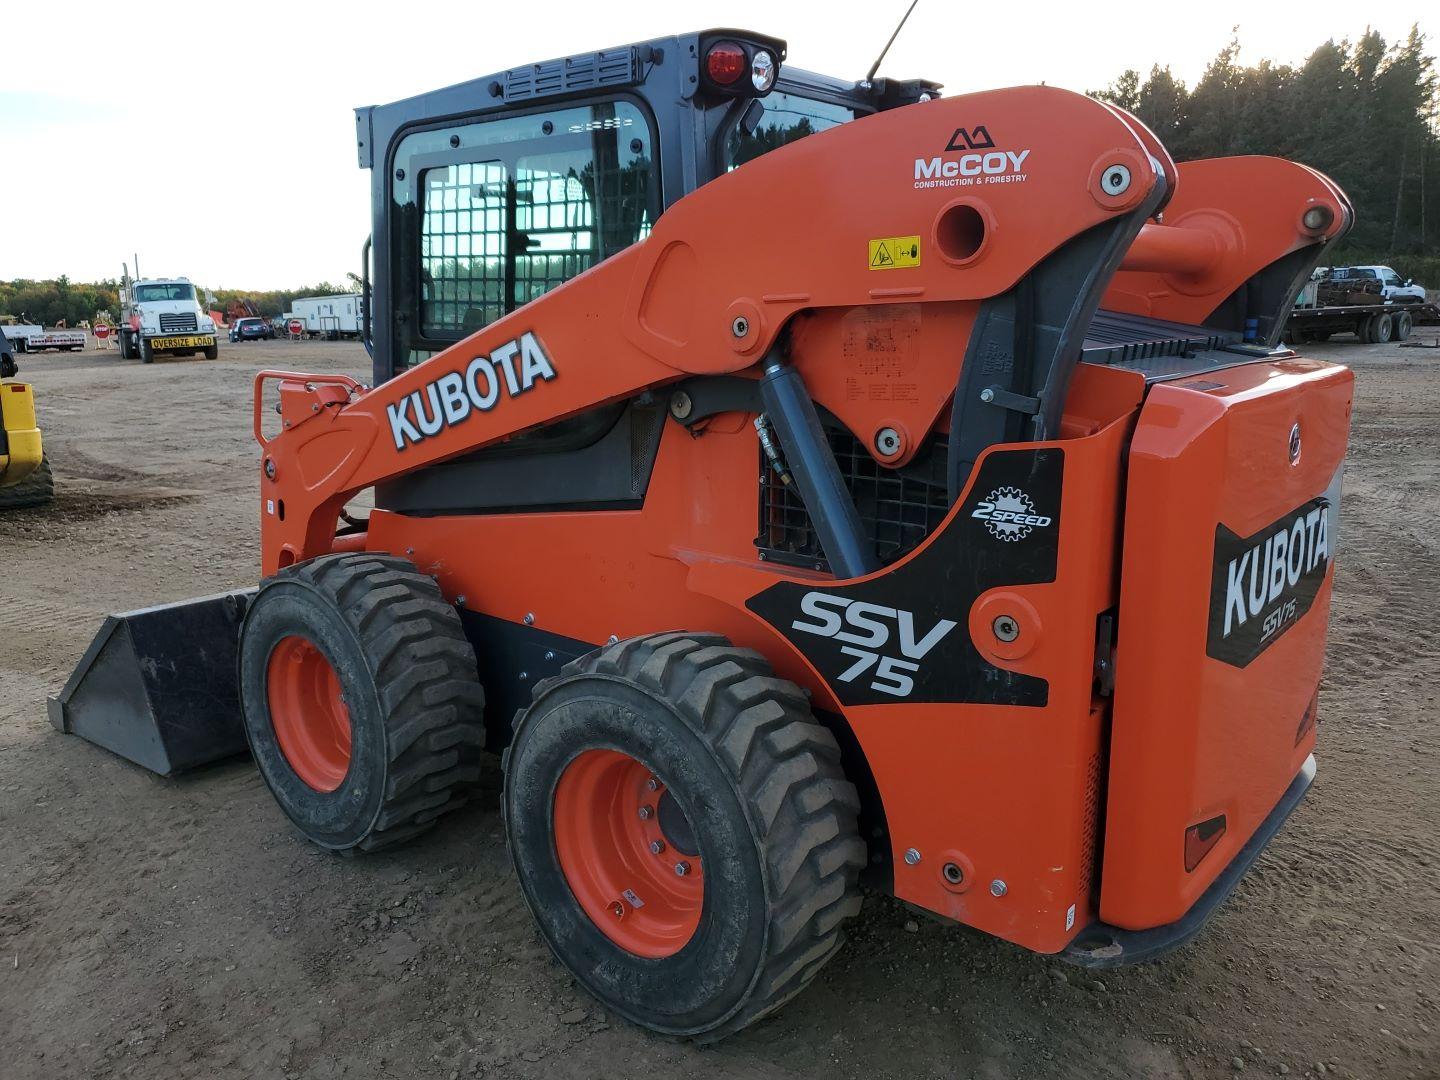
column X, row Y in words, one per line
column 494, row 214
column 787, row 118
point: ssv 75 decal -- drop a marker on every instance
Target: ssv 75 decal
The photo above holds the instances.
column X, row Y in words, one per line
column 901, row 634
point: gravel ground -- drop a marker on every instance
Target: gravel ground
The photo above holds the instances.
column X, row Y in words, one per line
column 154, row 928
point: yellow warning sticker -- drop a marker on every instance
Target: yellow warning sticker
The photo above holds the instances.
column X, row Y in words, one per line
column 894, row 252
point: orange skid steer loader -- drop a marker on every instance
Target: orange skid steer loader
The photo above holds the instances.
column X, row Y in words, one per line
column 799, row 483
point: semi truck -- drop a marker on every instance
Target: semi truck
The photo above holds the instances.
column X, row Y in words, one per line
column 163, row 315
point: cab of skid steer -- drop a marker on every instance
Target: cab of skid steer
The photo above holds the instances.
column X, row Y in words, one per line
column 487, row 194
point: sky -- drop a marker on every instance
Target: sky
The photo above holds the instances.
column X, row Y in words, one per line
column 223, row 149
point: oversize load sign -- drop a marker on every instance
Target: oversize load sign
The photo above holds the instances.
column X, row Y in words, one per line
column 1265, row 583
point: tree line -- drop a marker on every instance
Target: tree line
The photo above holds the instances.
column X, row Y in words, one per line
column 1362, row 112
column 59, row 300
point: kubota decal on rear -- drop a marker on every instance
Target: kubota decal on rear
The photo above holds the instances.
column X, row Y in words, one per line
column 450, row 399
column 1264, row 583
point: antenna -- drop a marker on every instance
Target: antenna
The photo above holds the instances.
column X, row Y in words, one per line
column 876, row 66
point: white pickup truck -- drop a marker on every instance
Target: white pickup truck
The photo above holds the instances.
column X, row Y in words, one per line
column 1393, row 288
column 164, row 315
column 30, row 337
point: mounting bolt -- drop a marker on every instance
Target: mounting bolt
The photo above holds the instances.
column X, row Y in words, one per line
column 740, row 327
column 911, row 856
column 1115, row 180
column 646, row 813
column 657, row 846
column 270, row 468
column 549, row 654
column 617, row 909
column 1005, row 627
column 524, row 676
column 952, row 873
column 887, row 441
column 998, row 888
column 680, row 405
column 611, row 640
column 653, row 784
column 529, row 618
column 987, row 394
column 460, row 600
column 682, row 868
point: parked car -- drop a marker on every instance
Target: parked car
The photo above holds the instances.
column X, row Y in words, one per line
column 251, row 330
column 1393, row 288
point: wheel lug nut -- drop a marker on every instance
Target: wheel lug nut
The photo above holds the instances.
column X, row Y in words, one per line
column 657, row 846
column 653, row 784
column 682, row 868
column 646, row 813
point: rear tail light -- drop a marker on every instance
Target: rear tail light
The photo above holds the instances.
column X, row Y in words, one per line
column 725, row 63
column 1199, row 839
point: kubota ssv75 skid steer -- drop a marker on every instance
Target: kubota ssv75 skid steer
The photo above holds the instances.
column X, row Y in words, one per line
column 798, row 482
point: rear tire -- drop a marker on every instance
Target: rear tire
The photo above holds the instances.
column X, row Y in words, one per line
column 1403, row 325
column 35, row 489
column 361, row 700
column 1383, row 328
column 759, row 812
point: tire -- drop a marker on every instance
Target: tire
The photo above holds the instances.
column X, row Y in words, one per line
column 772, row 857
column 1320, row 335
column 35, row 489
column 147, row 352
column 1403, row 325
column 125, row 346
column 361, row 700
column 1382, row 328
column 212, row 352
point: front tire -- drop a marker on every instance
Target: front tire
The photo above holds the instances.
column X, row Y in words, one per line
column 361, row 700
column 682, row 832
column 147, row 352
column 35, row 489
column 212, row 352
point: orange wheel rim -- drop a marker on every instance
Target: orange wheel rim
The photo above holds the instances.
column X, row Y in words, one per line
column 628, row 853
column 308, row 712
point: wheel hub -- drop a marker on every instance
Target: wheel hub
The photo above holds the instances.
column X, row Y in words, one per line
column 307, row 708
column 628, row 853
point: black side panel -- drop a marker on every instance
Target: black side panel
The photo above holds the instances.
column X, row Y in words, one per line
column 1026, row 343
column 1269, row 296
column 609, row 472
column 908, row 626
column 511, row 659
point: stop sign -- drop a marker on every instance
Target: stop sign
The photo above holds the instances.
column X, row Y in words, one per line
column 296, row 327
column 101, row 331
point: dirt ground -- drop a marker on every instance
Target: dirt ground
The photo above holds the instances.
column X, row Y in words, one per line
column 154, row 928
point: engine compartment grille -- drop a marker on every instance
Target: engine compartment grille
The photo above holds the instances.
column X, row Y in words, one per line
column 898, row 508
column 178, row 322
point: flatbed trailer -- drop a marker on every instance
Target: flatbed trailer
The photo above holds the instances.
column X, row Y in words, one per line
column 1370, row 323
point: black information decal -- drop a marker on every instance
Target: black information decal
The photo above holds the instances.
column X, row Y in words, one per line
column 1263, row 584
column 903, row 636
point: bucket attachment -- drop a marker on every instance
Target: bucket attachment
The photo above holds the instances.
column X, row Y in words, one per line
column 158, row 686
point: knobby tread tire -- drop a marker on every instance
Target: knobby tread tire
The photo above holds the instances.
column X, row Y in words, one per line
column 786, row 768
column 424, row 675
column 35, row 489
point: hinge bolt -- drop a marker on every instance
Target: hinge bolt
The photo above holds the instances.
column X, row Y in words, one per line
column 740, row 327
column 912, row 856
